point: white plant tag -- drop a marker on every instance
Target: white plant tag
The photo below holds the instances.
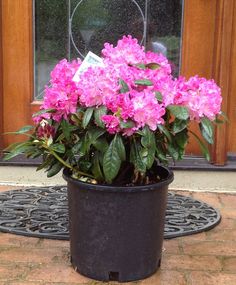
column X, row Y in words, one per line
column 91, row 59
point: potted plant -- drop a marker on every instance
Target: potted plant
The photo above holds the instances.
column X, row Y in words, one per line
column 112, row 130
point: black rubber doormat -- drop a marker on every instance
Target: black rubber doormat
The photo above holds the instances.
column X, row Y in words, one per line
column 43, row 212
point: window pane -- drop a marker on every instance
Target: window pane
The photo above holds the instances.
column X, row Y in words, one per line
column 51, row 39
column 71, row 28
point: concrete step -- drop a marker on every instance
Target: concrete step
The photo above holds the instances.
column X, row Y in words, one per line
column 191, row 180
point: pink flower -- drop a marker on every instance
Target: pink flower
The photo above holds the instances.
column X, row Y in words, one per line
column 147, row 110
column 127, row 51
column 62, row 95
column 201, row 96
column 96, row 85
column 112, row 123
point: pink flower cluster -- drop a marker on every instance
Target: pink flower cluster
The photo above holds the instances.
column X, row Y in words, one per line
column 62, row 94
column 127, row 86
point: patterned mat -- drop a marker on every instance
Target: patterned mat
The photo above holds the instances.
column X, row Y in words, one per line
column 43, row 212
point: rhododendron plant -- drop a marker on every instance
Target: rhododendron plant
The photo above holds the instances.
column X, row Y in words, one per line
column 120, row 118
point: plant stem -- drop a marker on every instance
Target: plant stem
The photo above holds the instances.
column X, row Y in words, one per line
column 69, row 166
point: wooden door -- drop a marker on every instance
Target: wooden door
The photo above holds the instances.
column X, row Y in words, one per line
column 207, row 48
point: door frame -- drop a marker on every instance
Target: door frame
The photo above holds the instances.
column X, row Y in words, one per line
column 16, row 64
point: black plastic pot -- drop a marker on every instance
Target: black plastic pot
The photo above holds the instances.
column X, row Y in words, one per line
column 116, row 233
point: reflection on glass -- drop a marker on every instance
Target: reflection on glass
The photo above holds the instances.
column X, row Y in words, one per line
column 71, row 28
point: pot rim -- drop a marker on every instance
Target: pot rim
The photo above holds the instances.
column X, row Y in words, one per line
column 121, row 189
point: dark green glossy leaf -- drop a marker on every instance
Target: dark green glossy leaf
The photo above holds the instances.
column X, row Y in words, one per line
column 47, row 160
column 159, row 96
column 23, row 130
column 94, row 134
column 179, row 125
column 41, row 112
column 98, row 113
column 182, row 139
column 21, row 148
column 161, row 154
column 173, row 151
column 164, row 130
column 124, row 86
column 96, row 167
column 101, row 144
column 57, row 147
column 111, row 162
column 148, row 156
column 144, row 82
column 76, row 148
column 54, row 169
column 136, row 159
column 85, row 145
column 179, row 112
column 120, row 148
column 148, row 138
column 67, row 128
column 207, row 130
column 87, row 117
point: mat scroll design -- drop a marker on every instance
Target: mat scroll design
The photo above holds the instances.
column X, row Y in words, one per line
column 43, row 212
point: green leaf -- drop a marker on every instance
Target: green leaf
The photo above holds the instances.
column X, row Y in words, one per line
column 164, row 130
column 43, row 112
column 54, row 169
column 85, row 165
column 203, row 147
column 173, row 151
column 67, row 128
column 101, row 145
column 159, row 96
column 96, row 168
column 206, row 130
column 124, row 86
column 148, row 138
column 153, row 65
column 127, row 125
column 47, row 161
column 94, row 134
column 76, row 148
column 87, row 117
column 23, row 130
column 136, row 159
column 161, row 155
column 57, row 147
column 85, row 145
column 18, row 149
column 148, row 156
column 179, row 125
column 182, row 139
column 98, row 113
column 111, row 162
column 140, row 66
column 34, row 153
column 144, row 82
column 180, row 112
column 120, row 148
column 12, row 146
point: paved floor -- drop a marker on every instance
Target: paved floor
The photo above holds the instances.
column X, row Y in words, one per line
column 203, row 259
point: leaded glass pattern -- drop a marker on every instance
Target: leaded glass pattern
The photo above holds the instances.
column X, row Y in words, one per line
column 71, row 28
